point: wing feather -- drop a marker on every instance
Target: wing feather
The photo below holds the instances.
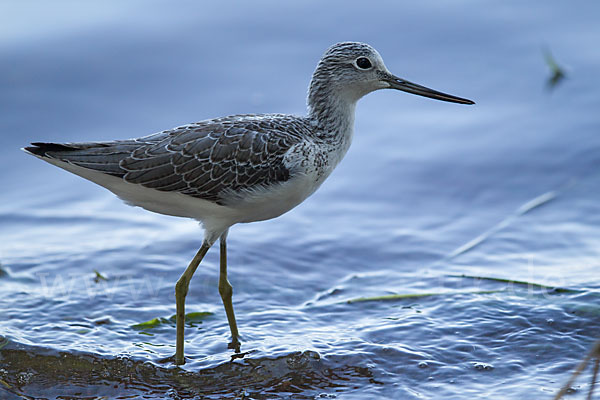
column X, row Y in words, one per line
column 208, row 160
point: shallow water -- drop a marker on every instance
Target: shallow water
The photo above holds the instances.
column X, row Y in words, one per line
column 429, row 196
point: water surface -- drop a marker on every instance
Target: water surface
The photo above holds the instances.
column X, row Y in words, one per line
column 429, row 196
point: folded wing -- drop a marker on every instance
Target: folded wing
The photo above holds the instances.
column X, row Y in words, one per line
column 209, row 160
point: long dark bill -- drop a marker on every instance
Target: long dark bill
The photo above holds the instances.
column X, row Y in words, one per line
column 406, row 86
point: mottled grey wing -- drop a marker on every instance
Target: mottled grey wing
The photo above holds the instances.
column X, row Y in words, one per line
column 207, row 160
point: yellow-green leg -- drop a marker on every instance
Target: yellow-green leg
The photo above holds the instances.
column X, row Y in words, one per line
column 226, row 292
column 181, row 289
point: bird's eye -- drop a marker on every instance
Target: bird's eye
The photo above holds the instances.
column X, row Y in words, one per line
column 363, row 63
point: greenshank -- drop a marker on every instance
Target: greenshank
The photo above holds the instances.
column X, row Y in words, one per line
column 240, row 168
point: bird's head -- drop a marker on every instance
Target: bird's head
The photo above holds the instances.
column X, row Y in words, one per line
column 352, row 70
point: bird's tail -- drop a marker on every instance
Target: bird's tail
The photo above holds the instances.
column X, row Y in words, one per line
column 103, row 157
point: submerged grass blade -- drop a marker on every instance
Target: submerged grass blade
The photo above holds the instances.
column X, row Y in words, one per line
column 393, row 297
column 553, row 289
column 557, row 73
column 594, row 354
column 192, row 318
column 99, row 277
column 529, row 285
column 153, row 323
column 522, row 210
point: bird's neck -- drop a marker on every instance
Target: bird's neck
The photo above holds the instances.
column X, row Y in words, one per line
column 332, row 112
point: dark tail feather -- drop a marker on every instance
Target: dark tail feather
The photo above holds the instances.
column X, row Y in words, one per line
column 102, row 157
column 41, row 149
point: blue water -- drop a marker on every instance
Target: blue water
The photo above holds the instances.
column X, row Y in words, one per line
column 430, row 195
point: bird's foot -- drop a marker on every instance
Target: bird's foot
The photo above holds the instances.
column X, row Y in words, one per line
column 234, row 344
column 172, row 360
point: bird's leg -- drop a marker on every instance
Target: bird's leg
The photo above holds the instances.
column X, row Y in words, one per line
column 226, row 292
column 181, row 289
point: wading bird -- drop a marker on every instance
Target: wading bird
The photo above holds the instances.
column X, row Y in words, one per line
column 240, row 168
